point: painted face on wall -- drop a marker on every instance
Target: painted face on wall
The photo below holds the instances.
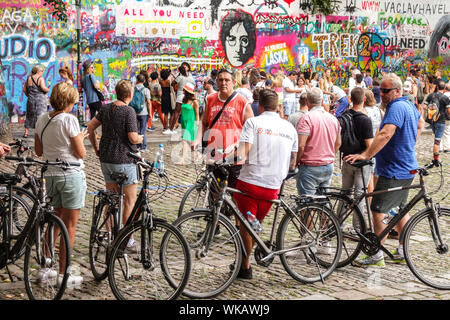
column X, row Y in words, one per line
column 236, row 45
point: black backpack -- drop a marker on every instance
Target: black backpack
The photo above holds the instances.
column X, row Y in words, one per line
column 350, row 142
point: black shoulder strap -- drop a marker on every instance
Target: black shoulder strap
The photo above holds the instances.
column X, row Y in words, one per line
column 40, row 89
column 42, row 133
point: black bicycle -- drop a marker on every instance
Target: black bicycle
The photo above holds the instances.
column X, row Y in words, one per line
column 158, row 265
column 425, row 237
column 308, row 239
column 107, row 221
column 44, row 238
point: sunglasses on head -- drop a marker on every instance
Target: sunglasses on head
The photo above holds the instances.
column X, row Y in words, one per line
column 387, row 90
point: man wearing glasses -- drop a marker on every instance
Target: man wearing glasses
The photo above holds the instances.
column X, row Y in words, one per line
column 238, row 37
column 394, row 150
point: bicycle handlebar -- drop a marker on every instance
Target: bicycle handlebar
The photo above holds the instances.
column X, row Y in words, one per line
column 141, row 161
column 29, row 160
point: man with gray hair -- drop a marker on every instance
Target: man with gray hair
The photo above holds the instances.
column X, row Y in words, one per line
column 394, row 150
column 318, row 141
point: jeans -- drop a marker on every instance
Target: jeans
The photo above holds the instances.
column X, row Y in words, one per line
column 310, row 178
column 142, row 126
column 341, row 106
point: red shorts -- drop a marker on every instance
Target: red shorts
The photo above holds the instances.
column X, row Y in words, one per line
column 256, row 199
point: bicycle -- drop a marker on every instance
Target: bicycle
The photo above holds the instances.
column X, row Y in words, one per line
column 301, row 235
column 44, row 238
column 158, row 266
column 106, row 223
column 426, row 233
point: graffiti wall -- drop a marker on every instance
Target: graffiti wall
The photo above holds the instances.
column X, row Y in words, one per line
column 126, row 36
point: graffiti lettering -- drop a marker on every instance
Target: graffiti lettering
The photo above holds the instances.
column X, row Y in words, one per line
column 334, row 45
column 16, row 46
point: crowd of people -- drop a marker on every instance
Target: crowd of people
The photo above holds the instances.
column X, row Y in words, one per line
column 274, row 123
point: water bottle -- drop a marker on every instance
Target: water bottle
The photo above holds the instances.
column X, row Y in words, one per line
column 390, row 215
column 256, row 225
column 158, row 165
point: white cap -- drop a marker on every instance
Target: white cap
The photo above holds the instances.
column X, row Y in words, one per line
column 407, row 86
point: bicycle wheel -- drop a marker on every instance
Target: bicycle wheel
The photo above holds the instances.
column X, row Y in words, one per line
column 316, row 229
column 350, row 222
column 195, row 197
column 23, row 201
column 429, row 263
column 215, row 270
column 45, row 260
column 161, row 273
column 100, row 239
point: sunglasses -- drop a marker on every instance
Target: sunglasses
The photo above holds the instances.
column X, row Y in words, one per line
column 387, row 90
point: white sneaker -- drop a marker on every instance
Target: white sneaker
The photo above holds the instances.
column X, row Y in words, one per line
column 324, row 248
column 167, row 131
column 46, row 275
column 72, row 281
column 132, row 245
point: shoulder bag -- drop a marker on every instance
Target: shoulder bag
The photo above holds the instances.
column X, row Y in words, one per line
column 100, row 95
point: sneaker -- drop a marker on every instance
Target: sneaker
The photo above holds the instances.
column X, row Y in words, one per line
column 167, row 131
column 243, row 274
column 397, row 257
column 72, row 281
column 132, row 245
column 150, row 129
column 46, row 275
column 324, row 248
column 369, row 261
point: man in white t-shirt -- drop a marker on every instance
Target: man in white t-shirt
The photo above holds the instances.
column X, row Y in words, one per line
column 245, row 91
column 270, row 146
column 289, row 94
column 353, row 82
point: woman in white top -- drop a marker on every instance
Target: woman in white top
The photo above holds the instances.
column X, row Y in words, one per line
column 58, row 136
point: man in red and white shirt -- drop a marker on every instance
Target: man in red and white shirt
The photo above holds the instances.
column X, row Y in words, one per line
column 224, row 135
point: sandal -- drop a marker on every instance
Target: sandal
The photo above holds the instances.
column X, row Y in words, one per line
column 25, row 135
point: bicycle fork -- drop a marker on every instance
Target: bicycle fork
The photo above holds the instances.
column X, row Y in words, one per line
column 441, row 248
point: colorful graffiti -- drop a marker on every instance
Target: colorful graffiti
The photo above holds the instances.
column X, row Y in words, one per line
column 125, row 36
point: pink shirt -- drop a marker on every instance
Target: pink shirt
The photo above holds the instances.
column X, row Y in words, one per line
column 322, row 130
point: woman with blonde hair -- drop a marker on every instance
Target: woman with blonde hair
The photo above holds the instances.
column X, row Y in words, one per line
column 326, row 85
column 58, row 136
column 36, row 91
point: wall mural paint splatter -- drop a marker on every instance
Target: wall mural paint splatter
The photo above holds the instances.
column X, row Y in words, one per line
column 367, row 34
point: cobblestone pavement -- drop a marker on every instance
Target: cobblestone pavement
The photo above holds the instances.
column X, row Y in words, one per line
column 272, row 283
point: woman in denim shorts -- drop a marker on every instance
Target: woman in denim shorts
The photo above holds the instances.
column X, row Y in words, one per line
column 58, row 136
column 119, row 136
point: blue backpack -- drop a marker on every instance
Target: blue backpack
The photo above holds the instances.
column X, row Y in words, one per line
column 137, row 103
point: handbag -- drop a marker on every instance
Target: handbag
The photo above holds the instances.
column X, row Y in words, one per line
column 205, row 141
column 100, row 95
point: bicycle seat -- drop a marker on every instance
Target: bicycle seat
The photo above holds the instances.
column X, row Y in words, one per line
column 9, row 178
column 119, row 177
column 361, row 163
column 291, row 174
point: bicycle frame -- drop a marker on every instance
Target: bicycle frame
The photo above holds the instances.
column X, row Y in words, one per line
column 225, row 197
column 422, row 194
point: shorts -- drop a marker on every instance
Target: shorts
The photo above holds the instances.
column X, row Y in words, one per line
column 383, row 203
column 129, row 169
column 289, row 107
column 438, row 130
column 256, row 199
column 180, row 98
column 68, row 192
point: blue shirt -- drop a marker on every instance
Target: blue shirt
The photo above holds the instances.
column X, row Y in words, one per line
column 91, row 95
column 398, row 157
